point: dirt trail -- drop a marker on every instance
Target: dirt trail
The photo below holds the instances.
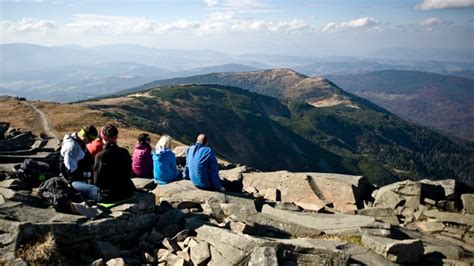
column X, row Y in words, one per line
column 46, row 127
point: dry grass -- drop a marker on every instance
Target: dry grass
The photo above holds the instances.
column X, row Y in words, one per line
column 67, row 118
column 44, row 251
column 349, row 238
column 17, row 114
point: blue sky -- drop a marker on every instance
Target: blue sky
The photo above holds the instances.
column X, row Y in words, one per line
column 324, row 27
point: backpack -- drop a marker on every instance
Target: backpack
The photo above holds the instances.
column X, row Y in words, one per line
column 59, row 193
column 33, row 172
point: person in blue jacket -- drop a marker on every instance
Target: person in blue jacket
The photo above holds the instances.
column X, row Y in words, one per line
column 164, row 162
column 201, row 166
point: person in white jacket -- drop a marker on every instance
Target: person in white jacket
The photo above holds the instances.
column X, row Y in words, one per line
column 75, row 161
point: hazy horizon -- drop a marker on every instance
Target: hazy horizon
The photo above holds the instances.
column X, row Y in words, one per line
column 406, row 29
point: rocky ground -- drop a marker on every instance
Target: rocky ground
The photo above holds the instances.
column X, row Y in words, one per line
column 279, row 218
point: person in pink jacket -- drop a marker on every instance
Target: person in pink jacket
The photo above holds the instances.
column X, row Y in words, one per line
column 142, row 162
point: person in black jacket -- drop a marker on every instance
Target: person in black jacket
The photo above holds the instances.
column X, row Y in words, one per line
column 113, row 168
column 112, row 171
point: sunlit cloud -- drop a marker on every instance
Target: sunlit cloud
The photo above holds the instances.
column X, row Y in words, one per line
column 434, row 22
column 234, row 4
column 108, row 24
column 176, row 26
column 364, row 22
column 444, row 4
column 214, row 23
column 28, row 24
column 211, row 3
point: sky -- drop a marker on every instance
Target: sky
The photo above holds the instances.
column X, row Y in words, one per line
column 296, row 27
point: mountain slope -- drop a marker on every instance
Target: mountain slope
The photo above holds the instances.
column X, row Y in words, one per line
column 445, row 103
column 279, row 83
column 273, row 134
column 238, row 123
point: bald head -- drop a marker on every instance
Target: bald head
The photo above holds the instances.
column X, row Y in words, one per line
column 202, row 139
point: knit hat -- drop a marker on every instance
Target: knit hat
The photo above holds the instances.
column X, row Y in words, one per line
column 89, row 132
column 109, row 133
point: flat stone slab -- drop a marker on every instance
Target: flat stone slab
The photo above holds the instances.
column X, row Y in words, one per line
column 364, row 255
column 200, row 253
column 143, row 183
column 261, row 222
column 328, row 223
column 387, row 215
column 263, row 256
column 23, row 223
column 313, row 191
column 233, row 247
column 182, row 192
column 399, row 251
column 450, row 217
column 468, row 203
column 19, row 142
column 15, row 184
column 430, row 227
column 228, row 248
column 436, row 247
column 406, row 192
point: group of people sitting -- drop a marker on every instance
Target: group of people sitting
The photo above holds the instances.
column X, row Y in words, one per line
column 101, row 170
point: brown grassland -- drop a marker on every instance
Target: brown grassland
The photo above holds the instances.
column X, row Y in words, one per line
column 65, row 118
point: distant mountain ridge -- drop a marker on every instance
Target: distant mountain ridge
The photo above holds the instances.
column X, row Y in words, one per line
column 445, row 103
column 70, row 73
column 280, row 83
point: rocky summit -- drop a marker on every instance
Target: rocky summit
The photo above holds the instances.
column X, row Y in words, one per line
column 279, row 218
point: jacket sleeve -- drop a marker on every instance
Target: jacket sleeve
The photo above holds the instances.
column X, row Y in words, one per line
column 97, row 168
column 173, row 163
column 214, row 171
column 149, row 162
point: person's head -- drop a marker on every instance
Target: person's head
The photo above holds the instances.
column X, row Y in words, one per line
column 144, row 139
column 202, row 139
column 109, row 133
column 165, row 142
column 87, row 134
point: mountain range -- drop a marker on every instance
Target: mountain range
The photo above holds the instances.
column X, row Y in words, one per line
column 444, row 103
column 71, row 73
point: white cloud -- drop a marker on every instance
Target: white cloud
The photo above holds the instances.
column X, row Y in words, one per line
column 241, row 6
column 234, row 4
column 211, row 3
column 216, row 22
column 109, row 24
column 175, row 26
column 444, row 4
column 364, row 22
column 294, row 25
column 434, row 22
column 28, row 24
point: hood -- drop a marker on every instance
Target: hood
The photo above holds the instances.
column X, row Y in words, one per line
column 69, row 137
column 161, row 152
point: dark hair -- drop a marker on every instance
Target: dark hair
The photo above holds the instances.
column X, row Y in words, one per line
column 142, row 138
column 110, row 131
column 90, row 132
